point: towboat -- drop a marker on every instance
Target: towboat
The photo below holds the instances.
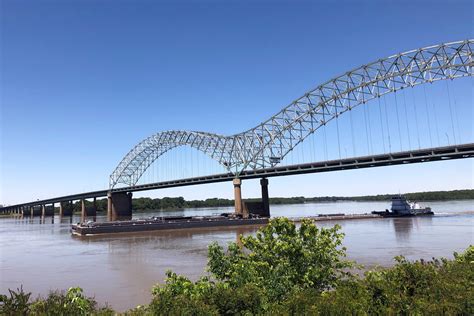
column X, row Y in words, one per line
column 402, row 207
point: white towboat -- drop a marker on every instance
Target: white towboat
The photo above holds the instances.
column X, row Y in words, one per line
column 402, row 207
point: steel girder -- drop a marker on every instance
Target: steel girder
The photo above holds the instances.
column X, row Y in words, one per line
column 268, row 143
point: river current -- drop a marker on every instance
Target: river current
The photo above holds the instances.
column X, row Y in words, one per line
column 121, row 269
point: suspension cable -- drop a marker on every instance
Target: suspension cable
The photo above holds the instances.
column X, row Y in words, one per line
column 388, row 127
column 338, row 140
column 398, row 120
column 325, row 142
column 381, row 124
column 416, row 119
column 370, row 131
column 456, row 117
column 302, row 152
column 312, row 147
column 451, row 112
column 406, row 118
column 352, row 133
column 428, row 115
column 366, row 131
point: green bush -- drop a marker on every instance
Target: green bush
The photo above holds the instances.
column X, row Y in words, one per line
column 73, row 302
column 281, row 258
column 16, row 303
column 286, row 270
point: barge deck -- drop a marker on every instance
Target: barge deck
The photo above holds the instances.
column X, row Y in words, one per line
column 162, row 223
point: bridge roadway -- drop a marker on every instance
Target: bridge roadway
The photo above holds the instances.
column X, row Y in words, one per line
column 397, row 158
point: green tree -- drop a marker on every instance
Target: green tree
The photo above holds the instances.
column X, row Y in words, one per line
column 263, row 269
column 282, row 257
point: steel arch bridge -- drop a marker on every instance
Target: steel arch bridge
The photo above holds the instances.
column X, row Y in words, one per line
column 269, row 142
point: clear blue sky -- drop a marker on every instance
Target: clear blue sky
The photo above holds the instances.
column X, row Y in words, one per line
column 83, row 81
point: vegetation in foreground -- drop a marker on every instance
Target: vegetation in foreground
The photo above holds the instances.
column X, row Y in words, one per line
column 286, row 270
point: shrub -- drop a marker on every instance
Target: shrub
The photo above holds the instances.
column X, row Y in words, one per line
column 16, row 303
column 281, row 258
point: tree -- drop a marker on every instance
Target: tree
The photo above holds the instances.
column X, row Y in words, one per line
column 282, row 257
column 280, row 260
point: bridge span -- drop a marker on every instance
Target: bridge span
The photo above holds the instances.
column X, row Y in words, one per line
column 260, row 151
column 119, row 199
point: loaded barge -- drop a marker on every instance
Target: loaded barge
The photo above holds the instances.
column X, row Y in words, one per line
column 163, row 223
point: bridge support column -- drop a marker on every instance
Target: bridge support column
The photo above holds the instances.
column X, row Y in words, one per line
column 119, row 205
column 265, row 199
column 238, row 196
column 43, row 210
column 68, row 209
column 109, row 206
column 83, row 210
column 32, row 211
column 61, row 209
column 92, row 211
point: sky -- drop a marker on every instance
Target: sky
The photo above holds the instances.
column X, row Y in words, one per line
column 82, row 82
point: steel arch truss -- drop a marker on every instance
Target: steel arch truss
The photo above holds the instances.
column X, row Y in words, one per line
column 268, row 143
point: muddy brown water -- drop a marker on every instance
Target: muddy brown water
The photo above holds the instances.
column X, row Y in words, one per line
column 121, row 269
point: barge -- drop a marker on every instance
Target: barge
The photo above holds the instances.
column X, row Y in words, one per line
column 163, row 223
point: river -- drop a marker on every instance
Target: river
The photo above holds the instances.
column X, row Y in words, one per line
column 121, row 269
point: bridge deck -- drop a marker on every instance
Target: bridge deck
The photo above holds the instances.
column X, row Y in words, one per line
column 397, row 158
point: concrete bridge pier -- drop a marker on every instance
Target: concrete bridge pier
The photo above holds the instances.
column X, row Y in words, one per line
column 238, row 197
column 245, row 208
column 265, row 198
column 83, row 210
column 67, row 208
column 46, row 210
column 109, row 206
column 92, row 211
column 119, row 205
column 61, row 209
column 88, row 211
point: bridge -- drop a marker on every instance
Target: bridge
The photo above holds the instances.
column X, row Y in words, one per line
column 260, row 152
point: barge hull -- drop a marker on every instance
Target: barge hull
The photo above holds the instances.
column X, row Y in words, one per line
column 117, row 227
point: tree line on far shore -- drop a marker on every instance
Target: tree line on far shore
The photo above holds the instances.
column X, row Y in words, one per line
column 145, row 204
